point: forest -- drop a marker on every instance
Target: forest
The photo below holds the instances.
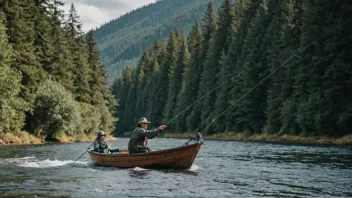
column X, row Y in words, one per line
column 267, row 66
column 53, row 83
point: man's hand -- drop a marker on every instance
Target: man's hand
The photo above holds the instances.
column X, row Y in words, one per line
column 162, row 127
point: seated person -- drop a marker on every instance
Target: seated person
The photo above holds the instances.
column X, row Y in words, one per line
column 139, row 138
column 101, row 145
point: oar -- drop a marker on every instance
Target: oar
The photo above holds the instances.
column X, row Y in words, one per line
column 83, row 153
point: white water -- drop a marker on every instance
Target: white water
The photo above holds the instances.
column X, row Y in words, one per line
column 33, row 162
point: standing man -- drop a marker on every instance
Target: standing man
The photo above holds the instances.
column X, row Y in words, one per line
column 139, row 138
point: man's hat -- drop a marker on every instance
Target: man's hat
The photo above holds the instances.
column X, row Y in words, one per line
column 143, row 120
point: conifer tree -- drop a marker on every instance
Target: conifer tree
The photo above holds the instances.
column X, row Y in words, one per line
column 81, row 71
column 121, row 95
column 42, row 39
column 12, row 107
column 20, row 29
column 61, row 65
column 176, row 82
column 308, row 78
column 166, row 71
column 208, row 32
column 191, row 78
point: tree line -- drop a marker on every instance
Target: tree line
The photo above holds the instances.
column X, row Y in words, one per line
column 52, row 79
column 237, row 47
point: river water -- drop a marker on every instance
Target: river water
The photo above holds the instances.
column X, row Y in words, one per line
column 221, row 169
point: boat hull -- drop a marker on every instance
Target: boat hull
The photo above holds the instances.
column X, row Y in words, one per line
column 180, row 158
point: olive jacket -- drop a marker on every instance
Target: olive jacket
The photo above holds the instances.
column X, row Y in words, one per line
column 139, row 138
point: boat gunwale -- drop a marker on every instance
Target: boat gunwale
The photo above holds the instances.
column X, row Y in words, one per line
column 144, row 154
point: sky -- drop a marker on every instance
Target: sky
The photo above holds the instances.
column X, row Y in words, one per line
column 93, row 13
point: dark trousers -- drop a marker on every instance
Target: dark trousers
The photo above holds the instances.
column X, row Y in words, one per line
column 142, row 149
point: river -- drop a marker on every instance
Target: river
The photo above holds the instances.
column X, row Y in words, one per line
column 221, row 169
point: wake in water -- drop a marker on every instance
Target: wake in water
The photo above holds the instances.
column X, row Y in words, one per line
column 194, row 168
column 138, row 169
column 32, row 162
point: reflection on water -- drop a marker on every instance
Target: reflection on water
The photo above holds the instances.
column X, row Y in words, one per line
column 221, row 169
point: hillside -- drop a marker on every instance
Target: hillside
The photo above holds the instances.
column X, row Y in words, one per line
column 123, row 40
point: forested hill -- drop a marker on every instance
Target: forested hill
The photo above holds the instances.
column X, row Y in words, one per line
column 237, row 47
column 123, row 40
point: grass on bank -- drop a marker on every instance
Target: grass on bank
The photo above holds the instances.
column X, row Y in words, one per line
column 268, row 137
column 63, row 138
column 24, row 137
column 20, row 137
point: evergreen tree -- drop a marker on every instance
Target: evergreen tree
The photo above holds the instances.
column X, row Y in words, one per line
column 73, row 25
column 208, row 32
column 97, row 81
column 308, row 79
column 81, row 71
column 176, row 82
column 61, row 65
column 20, row 29
column 12, row 107
column 140, row 85
column 191, row 78
column 43, row 41
column 121, row 95
column 245, row 11
column 166, row 71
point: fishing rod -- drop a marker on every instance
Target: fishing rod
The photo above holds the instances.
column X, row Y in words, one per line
column 83, row 153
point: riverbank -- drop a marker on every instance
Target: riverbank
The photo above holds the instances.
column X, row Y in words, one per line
column 23, row 137
column 346, row 140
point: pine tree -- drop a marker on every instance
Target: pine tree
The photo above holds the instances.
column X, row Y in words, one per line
column 12, row 107
column 166, row 71
column 20, row 29
column 61, row 65
column 42, row 39
column 121, row 95
column 308, row 80
column 208, row 32
column 73, row 25
column 245, row 11
column 140, row 80
column 176, row 82
column 81, row 72
column 97, row 81
column 191, row 78
column 219, row 44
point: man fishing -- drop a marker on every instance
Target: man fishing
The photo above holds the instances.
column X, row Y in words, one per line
column 139, row 138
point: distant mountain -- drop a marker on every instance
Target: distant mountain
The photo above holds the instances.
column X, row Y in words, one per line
column 123, row 40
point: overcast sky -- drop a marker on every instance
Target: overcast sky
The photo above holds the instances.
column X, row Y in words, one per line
column 93, row 13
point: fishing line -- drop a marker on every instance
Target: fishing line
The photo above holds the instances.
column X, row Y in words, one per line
column 299, row 51
column 199, row 100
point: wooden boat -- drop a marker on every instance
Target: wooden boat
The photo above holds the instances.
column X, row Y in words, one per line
column 180, row 158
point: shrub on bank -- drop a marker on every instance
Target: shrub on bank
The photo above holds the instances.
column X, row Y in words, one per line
column 54, row 110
